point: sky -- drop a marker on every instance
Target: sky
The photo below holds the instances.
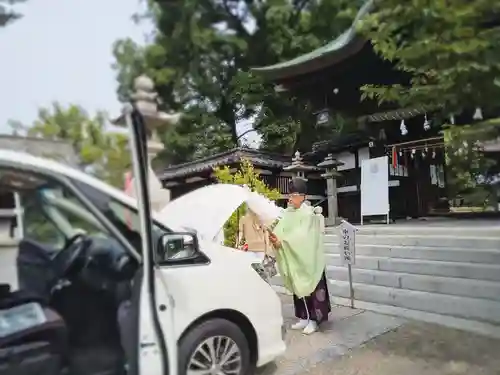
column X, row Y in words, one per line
column 61, row 50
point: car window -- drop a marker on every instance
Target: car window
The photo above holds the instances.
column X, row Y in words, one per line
column 68, row 211
column 51, row 212
column 122, row 216
column 63, row 207
column 52, row 215
column 38, row 226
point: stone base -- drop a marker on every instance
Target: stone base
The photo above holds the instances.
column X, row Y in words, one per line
column 332, row 222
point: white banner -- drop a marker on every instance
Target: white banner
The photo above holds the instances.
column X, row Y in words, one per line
column 375, row 186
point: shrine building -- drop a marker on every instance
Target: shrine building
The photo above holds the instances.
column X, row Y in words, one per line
column 330, row 79
column 273, row 169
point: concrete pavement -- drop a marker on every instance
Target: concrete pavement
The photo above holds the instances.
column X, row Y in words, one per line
column 347, row 329
column 357, row 342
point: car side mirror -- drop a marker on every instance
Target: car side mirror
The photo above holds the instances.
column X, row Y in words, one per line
column 177, row 246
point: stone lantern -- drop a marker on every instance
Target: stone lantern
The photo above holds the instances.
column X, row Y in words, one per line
column 298, row 168
column 145, row 100
column 330, row 164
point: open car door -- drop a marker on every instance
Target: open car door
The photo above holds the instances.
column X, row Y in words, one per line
column 157, row 344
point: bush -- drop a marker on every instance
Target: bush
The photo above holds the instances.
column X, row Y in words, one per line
column 245, row 175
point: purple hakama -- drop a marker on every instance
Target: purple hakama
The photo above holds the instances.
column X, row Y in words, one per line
column 316, row 306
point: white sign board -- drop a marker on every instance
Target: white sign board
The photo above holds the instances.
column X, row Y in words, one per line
column 375, row 186
column 347, row 243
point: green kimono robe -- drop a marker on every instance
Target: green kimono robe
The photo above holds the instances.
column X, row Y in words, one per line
column 301, row 258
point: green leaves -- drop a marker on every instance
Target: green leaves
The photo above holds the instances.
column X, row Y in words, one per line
column 468, row 166
column 245, row 175
column 452, row 51
column 100, row 152
column 200, row 59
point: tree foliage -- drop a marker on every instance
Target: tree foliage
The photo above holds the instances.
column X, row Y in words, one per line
column 245, row 175
column 451, row 50
column 100, row 152
column 470, row 171
column 200, row 60
column 7, row 12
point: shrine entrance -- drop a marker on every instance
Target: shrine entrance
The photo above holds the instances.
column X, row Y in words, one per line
column 417, row 184
column 430, row 163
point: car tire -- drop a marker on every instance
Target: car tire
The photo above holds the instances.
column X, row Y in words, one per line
column 216, row 333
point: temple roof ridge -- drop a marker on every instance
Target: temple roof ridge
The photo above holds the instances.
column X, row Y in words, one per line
column 234, row 155
column 345, row 45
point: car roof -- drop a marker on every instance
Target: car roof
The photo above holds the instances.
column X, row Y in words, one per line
column 16, row 158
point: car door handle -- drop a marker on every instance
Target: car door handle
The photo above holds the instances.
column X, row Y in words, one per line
column 144, row 345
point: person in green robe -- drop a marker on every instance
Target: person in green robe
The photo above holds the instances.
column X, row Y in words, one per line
column 298, row 241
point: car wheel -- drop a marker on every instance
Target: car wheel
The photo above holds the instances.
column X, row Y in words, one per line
column 216, row 346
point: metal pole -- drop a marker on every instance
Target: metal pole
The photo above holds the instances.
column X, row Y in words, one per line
column 351, row 289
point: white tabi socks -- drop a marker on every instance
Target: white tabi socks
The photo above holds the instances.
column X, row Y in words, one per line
column 311, row 327
column 301, row 324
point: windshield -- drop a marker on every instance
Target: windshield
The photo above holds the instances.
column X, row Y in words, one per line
column 122, row 216
column 52, row 214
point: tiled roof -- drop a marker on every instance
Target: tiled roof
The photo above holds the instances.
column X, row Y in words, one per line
column 256, row 157
column 347, row 44
column 398, row 114
column 341, row 142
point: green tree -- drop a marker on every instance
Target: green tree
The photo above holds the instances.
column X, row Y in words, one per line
column 245, row 175
column 450, row 53
column 450, row 50
column 469, row 169
column 200, row 59
column 7, row 12
column 100, row 152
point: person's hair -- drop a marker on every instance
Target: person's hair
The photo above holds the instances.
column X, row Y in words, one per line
column 297, row 186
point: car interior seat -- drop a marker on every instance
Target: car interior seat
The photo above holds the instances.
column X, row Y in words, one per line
column 32, row 336
column 34, row 269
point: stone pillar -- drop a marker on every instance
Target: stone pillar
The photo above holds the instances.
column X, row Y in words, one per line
column 330, row 165
column 146, row 101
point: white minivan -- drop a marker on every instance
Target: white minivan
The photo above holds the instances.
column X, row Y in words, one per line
column 103, row 289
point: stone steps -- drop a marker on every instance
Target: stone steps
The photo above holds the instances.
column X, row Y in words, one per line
column 424, row 283
column 453, row 241
column 423, row 229
column 423, row 267
column 444, row 274
column 486, row 256
column 481, row 310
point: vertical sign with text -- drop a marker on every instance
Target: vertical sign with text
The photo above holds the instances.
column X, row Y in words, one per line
column 347, row 243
